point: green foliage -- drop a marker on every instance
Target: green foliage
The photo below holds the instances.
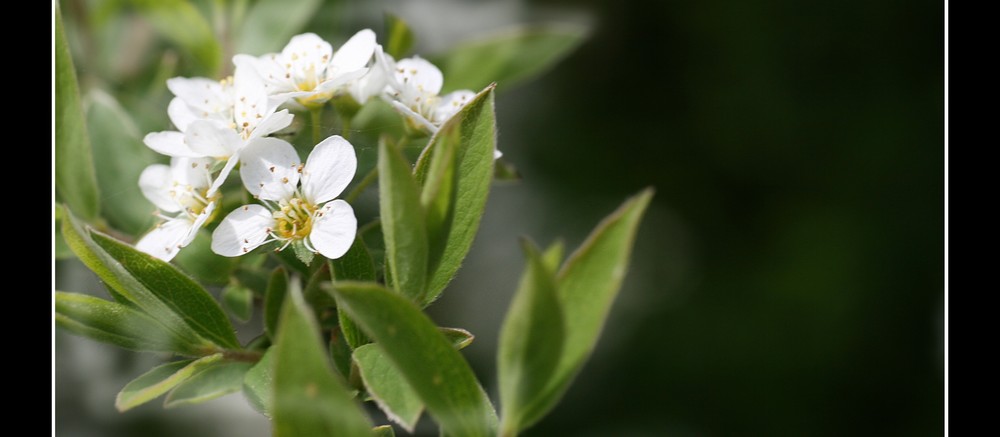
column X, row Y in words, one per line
column 210, row 383
column 531, row 340
column 277, row 288
column 271, row 23
column 455, row 170
column 309, row 399
column 258, row 384
column 238, row 301
column 181, row 23
column 119, row 157
column 431, row 365
column 76, row 183
column 508, row 58
column 400, row 37
column 159, row 380
column 117, row 324
column 388, row 387
column 402, row 223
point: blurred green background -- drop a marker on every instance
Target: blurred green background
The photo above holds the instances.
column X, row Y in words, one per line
column 788, row 279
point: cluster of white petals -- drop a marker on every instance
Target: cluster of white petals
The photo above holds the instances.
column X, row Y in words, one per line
column 222, row 123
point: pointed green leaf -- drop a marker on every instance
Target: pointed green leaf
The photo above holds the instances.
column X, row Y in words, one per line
column 302, row 252
column 238, row 300
column 340, row 353
column 159, row 380
column 269, row 24
column 309, row 399
column 553, row 256
column 433, row 367
column 508, row 57
column 277, row 287
column 257, row 384
column 126, row 288
column 587, row 284
column 180, row 22
column 76, row 183
column 355, row 265
column 114, row 323
column 394, row 396
column 530, row 340
column 402, row 223
column 119, row 158
column 216, row 381
column 400, row 38
column 457, row 201
column 458, row 337
column 180, row 293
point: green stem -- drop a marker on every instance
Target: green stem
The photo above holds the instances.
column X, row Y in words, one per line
column 360, row 188
column 317, row 117
column 242, row 355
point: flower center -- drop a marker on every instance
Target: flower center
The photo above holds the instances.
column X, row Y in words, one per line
column 294, row 219
column 193, row 200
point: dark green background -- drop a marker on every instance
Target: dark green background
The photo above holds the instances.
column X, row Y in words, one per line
column 787, row 280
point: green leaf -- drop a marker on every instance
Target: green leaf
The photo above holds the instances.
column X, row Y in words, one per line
column 402, row 223
column 530, row 340
column 178, row 291
column 257, row 384
column 216, row 381
column 181, row 23
column 457, row 201
column 383, row 431
column 238, row 300
column 508, row 57
column 124, row 287
column 74, row 166
column 119, row 158
column 309, row 399
column 340, row 353
column 270, row 24
column 117, row 324
column 159, row 380
column 433, row 367
column 458, row 337
column 393, row 395
column 199, row 261
column 400, row 39
column 302, row 253
column 587, row 284
column 277, row 288
column 553, row 256
column 355, row 265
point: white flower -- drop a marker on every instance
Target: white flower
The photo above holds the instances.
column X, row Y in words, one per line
column 271, row 170
column 178, row 188
column 414, row 86
column 374, row 82
column 308, row 70
column 217, row 119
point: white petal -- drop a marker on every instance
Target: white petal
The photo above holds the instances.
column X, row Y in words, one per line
column 340, row 80
column 166, row 240
column 269, row 168
column 205, row 96
column 226, row 169
column 450, row 104
column 180, row 114
column 199, row 221
column 242, row 230
column 497, row 154
column 329, row 168
column 271, row 69
column 193, row 172
column 170, row 143
column 333, row 231
column 417, row 74
column 309, row 55
column 272, row 123
column 414, row 115
column 155, row 183
column 355, row 53
column 387, row 65
column 250, row 102
column 208, row 139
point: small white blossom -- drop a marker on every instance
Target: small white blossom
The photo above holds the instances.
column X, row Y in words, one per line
column 272, row 171
column 217, row 119
column 414, row 84
column 308, row 72
column 180, row 188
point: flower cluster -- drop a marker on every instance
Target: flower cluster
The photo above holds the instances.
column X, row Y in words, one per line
column 224, row 123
